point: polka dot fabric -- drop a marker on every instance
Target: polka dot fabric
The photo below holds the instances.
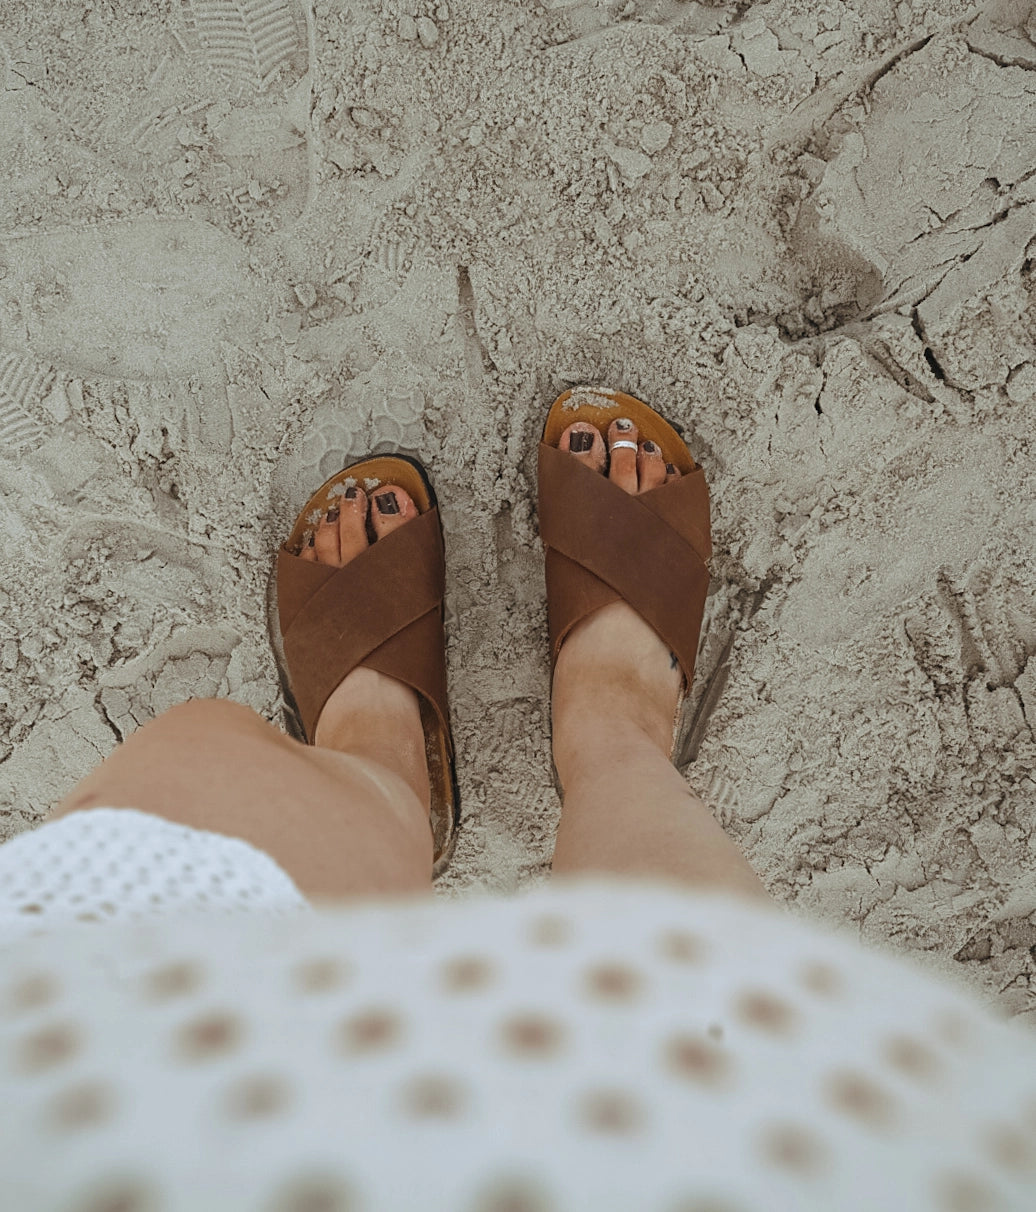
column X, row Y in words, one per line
column 105, row 864
column 597, row 1046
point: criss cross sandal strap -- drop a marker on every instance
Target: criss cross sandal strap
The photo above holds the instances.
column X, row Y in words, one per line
column 606, row 545
column 382, row 610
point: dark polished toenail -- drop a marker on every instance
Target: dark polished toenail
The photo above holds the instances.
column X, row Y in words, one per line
column 670, row 469
column 623, row 423
column 650, row 448
column 350, row 493
column 332, row 513
column 580, row 442
column 312, row 540
column 387, row 503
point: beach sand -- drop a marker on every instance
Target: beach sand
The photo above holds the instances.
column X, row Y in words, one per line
column 242, row 243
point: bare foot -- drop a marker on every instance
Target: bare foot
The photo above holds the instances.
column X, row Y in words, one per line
column 612, row 666
column 369, row 709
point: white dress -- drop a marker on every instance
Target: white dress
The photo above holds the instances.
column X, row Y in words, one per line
column 600, row 1046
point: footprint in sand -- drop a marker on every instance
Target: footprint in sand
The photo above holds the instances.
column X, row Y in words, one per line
column 213, row 99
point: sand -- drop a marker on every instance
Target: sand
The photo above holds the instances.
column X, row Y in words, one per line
column 243, row 242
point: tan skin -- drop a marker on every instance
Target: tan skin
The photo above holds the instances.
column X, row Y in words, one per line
column 348, row 816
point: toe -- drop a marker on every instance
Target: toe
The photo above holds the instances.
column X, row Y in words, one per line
column 309, row 551
column 325, row 539
column 392, row 507
column 352, row 523
column 622, row 469
column 671, row 472
column 651, row 470
column 585, row 442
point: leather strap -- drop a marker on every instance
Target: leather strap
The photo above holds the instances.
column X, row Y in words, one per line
column 382, row 610
column 606, row 545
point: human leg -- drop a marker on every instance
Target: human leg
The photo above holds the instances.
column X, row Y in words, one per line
column 347, row 816
column 626, row 809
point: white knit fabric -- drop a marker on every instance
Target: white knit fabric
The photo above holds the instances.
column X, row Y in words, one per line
column 607, row 1046
column 104, row 864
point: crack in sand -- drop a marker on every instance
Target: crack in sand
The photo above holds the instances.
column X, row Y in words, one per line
column 116, row 732
column 1002, row 60
column 813, row 113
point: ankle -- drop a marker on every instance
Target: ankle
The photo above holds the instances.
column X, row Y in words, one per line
column 614, row 674
column 597, row 706
column 597, row 745
column 378, row 719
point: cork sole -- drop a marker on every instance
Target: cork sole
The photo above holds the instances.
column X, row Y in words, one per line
column 599, row 406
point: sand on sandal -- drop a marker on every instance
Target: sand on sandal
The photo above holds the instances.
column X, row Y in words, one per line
column 241, row 244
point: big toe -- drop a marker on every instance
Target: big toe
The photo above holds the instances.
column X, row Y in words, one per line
column 392, row 507
column 585, row 442
column 341, row 533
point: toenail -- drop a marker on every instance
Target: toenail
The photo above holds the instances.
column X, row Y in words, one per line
column 332, row 514
column 670, row 469
column 650, row 448
column 580, row 442
column 623, row 423
column 350, row 493
column 312, row 540
column 387, row 503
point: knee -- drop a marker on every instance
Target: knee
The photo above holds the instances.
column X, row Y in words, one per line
column 166, row 760
column 205, row 718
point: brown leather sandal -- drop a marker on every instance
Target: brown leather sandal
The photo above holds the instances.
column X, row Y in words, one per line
column 383, row 610
column 605, row 545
